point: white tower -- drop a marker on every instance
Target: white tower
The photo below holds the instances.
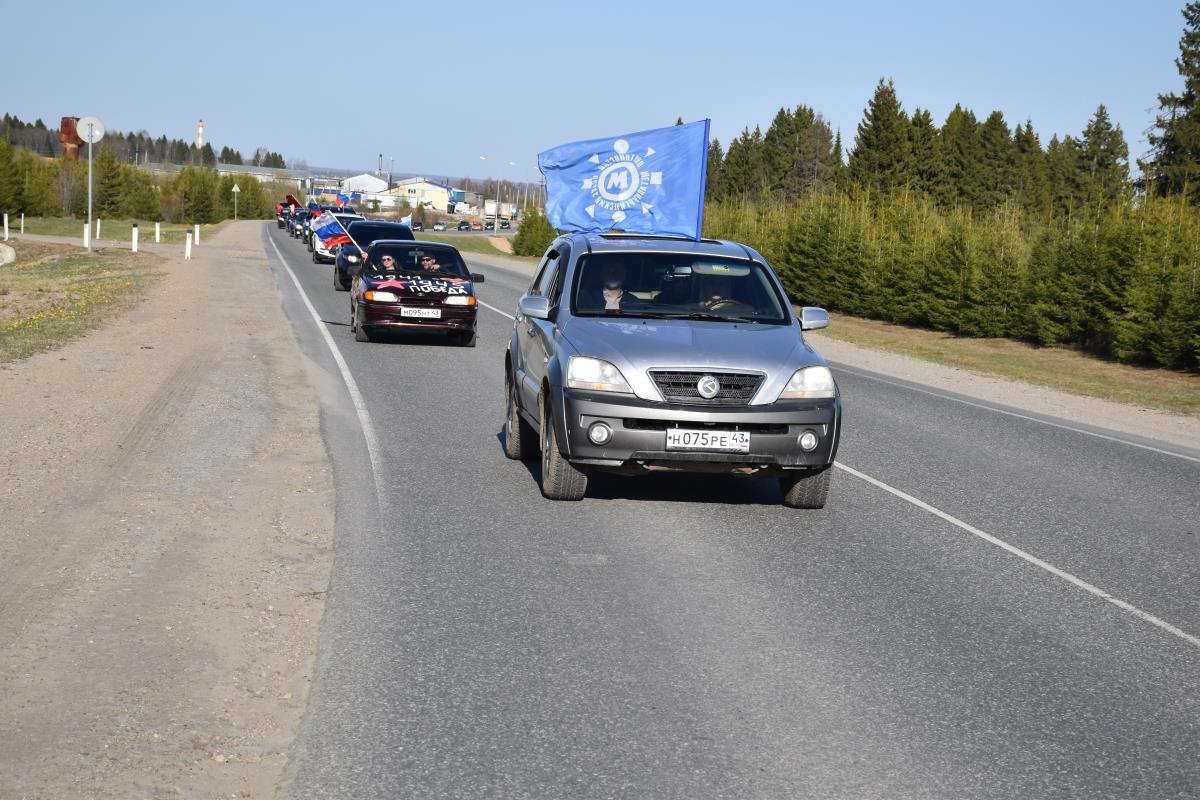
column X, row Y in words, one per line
column 200, row 133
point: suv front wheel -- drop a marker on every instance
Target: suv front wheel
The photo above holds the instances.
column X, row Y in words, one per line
column 561, row 480
column 806, row 488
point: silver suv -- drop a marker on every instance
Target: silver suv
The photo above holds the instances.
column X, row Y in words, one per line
column 636, row 354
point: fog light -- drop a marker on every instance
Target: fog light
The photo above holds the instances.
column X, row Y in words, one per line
column 808, row 441
column 599, row 433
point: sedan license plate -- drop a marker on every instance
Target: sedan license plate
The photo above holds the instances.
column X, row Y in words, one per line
column 725, row 441
column 423, row 313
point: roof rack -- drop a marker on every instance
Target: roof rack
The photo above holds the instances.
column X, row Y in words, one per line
column 618, row 234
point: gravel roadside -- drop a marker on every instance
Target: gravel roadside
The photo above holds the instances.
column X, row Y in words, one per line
column 166, row 536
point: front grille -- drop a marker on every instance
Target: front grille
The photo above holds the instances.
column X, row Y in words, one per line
column 737, row 388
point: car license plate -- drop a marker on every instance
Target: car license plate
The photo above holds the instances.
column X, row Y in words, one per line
column 423, row 313
column 730, row 441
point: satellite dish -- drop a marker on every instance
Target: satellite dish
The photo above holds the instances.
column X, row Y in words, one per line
column 90, row 129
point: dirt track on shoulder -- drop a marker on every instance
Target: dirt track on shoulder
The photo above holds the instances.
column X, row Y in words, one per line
column 166, row 534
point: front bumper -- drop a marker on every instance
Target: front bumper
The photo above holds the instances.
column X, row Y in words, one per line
column 639, row 433
column 387, row 315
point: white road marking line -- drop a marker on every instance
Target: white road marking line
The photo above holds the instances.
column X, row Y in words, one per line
column 1032, row 559
column 360, row 406
column 1017, row 415
column 493, row 308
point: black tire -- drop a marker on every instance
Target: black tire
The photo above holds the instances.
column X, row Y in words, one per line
column 315, row 259
column 360, row 333
column 561, row 480
column 338, row 286
column 519, row 435
column 466, row 338
column 807, row 488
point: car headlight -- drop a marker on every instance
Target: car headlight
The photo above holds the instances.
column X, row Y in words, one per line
column 380, row 297
column 352, row 259
column 594, row 374
column 459, row 300
column 810, row 383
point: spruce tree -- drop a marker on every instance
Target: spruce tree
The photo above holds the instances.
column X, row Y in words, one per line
column 1105, row 161
column 39, row 197
column 1063, row 172
column 882, row 157
column 714, row 186
column 962, row 156
column 926, row 153
column 106, row 181
column 10, row 177
column 1174, row 164
column 1033, row 180
column 998, row 165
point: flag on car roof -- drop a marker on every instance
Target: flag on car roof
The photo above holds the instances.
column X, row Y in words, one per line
column 330, row 231
column 406, row 220
column 646, row 182
column 313, row 206
column 342, row 199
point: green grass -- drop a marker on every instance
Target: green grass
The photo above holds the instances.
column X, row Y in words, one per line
column 55, row 293
column 1054, row 367
column 465, row 242
column 110, row 230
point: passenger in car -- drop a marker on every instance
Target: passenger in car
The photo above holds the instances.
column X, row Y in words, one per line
column 610, row 294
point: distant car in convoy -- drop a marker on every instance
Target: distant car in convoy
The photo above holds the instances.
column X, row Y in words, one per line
column 463, row 225
column 490, row 225
column 322, row 255
column 439, row 226
column 417, row 225
column 475, row 226
column 505, row 224
column 397, row 287
column 363, row 232
column 637, row 354
column 296, row 222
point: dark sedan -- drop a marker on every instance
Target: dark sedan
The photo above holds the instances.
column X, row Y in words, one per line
column 363, row 232
column 409, row 285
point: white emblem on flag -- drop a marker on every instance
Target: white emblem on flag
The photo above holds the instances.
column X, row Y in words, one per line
column 621, row 183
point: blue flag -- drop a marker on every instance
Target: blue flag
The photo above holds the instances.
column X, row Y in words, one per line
column 646, row 182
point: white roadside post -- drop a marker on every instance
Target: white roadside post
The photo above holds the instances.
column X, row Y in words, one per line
column 135, row 237
column 87, row 235
column 187, row 249
column 236, row 189
column 22, row 223
column 6, row 226
column 197, row 236
column 97, row 230
column 157, row 232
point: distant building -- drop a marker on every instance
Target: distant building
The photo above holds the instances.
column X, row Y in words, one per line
column 418, row 193
column 365, row 183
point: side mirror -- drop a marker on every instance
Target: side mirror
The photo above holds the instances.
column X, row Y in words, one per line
column 813, row 318
column 534, row 306
column 477, row 277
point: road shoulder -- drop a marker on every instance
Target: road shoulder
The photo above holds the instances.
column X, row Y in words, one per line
column 166, row 539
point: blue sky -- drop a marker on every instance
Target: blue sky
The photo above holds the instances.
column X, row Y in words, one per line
column 436, row 85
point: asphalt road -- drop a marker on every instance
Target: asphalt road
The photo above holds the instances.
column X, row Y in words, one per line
column 989, row 606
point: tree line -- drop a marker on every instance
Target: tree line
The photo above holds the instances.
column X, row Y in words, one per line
column 133, row 148
column 44, row 187
column 975, row 228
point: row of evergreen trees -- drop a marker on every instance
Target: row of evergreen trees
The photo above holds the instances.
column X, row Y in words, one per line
column 964, row 163
column 132, row 147
column 1121, row 283
column 42, row 187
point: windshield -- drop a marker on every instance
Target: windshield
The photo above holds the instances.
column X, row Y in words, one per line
column 364, row 232
column 424, row 260
column 675, row 285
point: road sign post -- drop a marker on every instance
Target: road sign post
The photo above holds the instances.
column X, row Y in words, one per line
column 91, row 130
column 236, row 190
